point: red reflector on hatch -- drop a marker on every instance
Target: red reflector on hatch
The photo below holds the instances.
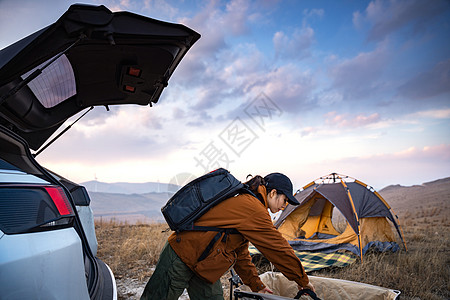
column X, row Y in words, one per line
column 134, row 71
column 60, row 200
column 129, row 88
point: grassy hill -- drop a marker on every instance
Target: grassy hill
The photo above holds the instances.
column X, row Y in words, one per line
column 428, row 203
column 422, row 272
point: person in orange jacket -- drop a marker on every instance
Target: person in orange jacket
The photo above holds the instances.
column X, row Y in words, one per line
column 179, row 266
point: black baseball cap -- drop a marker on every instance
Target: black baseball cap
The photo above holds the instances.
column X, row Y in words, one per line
column 282, row 184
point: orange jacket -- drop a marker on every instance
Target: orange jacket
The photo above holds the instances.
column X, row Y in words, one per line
column 251, row 218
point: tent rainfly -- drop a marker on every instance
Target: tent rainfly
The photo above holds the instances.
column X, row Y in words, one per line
column 309, row 227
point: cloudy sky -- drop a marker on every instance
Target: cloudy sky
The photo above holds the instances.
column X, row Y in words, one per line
column 361, row 88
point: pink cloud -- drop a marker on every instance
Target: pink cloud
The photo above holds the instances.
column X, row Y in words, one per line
column 308, row 131
column 347, row 120
column 430, row 152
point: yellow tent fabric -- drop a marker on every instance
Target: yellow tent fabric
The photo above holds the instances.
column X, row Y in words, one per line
column 309, row 226
column 372, row 229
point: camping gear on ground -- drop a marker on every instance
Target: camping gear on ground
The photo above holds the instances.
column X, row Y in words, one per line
column 252, row 295
column 309, row 226
column 326, row 289
column 312, row 261
column 235, row 281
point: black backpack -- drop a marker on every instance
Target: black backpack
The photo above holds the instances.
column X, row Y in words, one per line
column 197, row 197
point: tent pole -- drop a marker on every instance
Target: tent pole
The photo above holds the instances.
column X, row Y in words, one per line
column 359, row 244
column 356, row 215
column 402, row 235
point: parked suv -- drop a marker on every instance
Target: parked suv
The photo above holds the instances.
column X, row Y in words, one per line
column 89, row 57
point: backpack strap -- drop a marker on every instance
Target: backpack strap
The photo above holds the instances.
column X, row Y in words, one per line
column 220, row 232
column 246, row 190
column 211, row 228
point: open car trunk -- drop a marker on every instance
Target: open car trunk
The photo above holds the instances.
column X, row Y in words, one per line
column 89, row 57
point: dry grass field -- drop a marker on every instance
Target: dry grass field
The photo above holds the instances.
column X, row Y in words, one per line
column 423, row 272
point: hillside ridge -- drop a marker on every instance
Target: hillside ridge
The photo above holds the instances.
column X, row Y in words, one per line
column 445, row 180
column 428, row 200
column 129, row 187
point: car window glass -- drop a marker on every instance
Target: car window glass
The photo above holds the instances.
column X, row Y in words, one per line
column 55, row 84
column 7, row 166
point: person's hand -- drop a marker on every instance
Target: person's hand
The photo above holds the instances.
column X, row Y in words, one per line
column 266, row 290
column 308, row 286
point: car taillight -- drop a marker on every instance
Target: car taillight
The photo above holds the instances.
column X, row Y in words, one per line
column 26, row 208
column 60, row 199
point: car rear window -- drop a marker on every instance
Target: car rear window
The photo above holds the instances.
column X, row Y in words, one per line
column 7, row 166
column 55, row 84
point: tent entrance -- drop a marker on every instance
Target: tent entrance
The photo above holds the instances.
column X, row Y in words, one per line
column 319, row 225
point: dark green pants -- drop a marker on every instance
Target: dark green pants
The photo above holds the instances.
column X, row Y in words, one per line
column 172, row 276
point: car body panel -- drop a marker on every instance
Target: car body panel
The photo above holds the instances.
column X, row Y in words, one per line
column 11, row 176
column 87, row 220
column 42, row 255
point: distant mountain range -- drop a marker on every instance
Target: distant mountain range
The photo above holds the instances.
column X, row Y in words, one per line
column 129, row 202
column 142, row 202
column 129, row 208
column 129, row 188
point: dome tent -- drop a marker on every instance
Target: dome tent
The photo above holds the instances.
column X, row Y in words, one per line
column 309, row 227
